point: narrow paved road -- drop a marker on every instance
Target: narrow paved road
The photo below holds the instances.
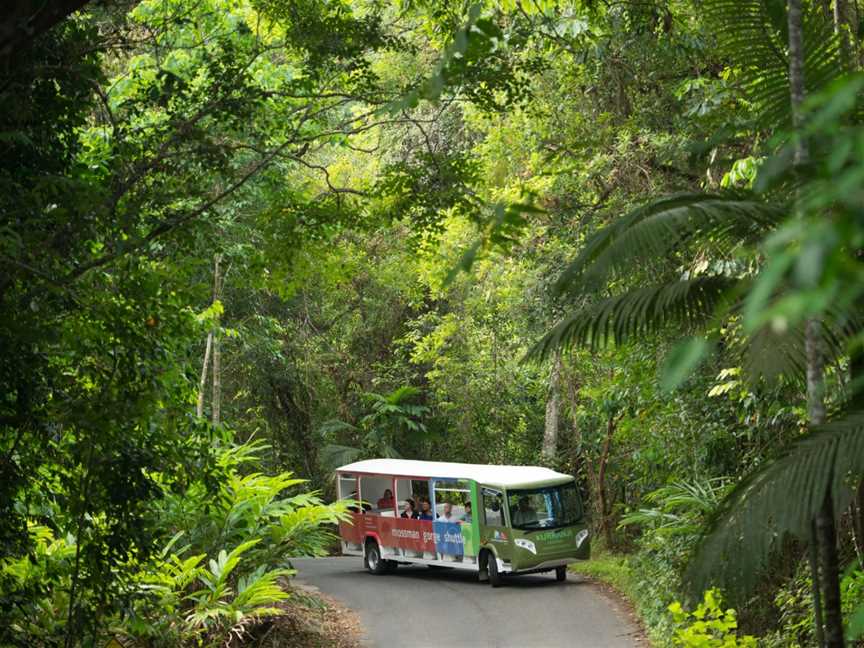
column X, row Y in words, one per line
column 448, row 608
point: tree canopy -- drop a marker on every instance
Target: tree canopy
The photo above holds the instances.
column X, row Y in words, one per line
column 243, row 241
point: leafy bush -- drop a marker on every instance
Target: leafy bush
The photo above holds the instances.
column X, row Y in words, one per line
column 709, row 625
column 220, row 571
column 28, row 584
column 651, row 576
column 679, row 508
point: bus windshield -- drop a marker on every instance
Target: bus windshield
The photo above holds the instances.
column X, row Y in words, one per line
column 545, row 508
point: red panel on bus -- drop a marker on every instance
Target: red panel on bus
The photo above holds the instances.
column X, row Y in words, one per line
column 416, row 535
column 404, row 533
column 352, row 531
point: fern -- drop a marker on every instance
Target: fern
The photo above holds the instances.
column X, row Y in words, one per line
column 753, row 35
column 649, row 235
column 639, row 312
column 679, row 508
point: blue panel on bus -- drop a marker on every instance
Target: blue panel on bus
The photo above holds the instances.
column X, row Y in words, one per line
column 448, row 538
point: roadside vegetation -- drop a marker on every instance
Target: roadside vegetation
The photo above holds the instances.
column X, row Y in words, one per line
column 244, row 241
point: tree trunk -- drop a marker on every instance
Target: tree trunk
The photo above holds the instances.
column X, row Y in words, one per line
column 829, row 571
column 553, row 406
column 216, row 405
column 845, row 30
column 573, row 402
column 856, row 404
column 826, row 536
column 202, row 382
column 815, row 584
column 602, row 495
column 217, row 382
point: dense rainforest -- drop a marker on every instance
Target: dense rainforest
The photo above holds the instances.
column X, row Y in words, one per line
column 243, row 242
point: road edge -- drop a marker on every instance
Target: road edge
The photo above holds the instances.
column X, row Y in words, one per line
column 621, row 603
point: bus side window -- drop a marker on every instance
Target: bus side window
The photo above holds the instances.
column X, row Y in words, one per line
column 493, row 507
column 348, row 489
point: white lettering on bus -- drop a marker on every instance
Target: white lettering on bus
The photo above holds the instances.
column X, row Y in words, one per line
column 453, row 538
column 406, row 533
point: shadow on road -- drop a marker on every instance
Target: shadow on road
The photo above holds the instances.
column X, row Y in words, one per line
column 469, row 578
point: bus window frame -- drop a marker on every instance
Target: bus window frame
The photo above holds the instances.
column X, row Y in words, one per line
column 347, row 476
column 373, row 503
column 465, row 487
column 505, row 514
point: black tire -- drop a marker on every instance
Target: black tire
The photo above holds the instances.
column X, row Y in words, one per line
column 492, row 570
column 560, row 574
column 372, row 559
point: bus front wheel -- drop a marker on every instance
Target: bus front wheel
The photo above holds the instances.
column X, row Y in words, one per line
column 490, row 563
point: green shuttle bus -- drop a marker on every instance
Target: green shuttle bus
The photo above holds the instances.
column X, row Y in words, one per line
column 494, row 520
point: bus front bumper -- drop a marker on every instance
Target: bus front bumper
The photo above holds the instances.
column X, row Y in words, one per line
column 525, row 560
column 546, row 565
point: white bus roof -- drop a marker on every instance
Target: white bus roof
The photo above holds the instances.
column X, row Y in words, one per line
column 504, row 476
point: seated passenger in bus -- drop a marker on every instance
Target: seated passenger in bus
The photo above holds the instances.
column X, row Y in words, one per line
column 386, row 500
column 447, row 513
column 363, row 505
column 524, row 513
column 409, row 511
column 425, row 510
column 467, row 515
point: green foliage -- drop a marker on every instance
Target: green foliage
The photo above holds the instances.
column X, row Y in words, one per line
column 754, row 34
column 679, row 508
column 709, row 625
column 223, row 569
column 392, row 421
column 611, row 175
column 784, row 495
column 31, row 583
column 429, row 186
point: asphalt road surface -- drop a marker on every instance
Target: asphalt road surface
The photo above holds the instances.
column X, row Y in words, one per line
column 418, row 606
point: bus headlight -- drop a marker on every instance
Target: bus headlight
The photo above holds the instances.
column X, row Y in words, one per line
column 580, row 537
column 527, row 545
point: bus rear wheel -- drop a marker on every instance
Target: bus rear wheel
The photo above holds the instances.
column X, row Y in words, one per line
column 375, row 564
column 561, row 573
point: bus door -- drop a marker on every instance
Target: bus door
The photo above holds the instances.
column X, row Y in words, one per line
column 493, row 522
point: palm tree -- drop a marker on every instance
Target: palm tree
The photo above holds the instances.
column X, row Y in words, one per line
column 391, row 419
column 707, row 255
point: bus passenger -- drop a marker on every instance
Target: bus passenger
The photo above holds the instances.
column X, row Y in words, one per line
column 425, row 510
column 386, row 500
column 447, row 515
column 409, row 510
column 467, row 516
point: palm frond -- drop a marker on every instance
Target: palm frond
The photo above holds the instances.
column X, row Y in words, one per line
column 774, row 351
column 753, row 35
column 334, row 426
column 780, row 498
column 654, row 233
column 333, row 455
column 689, row 304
